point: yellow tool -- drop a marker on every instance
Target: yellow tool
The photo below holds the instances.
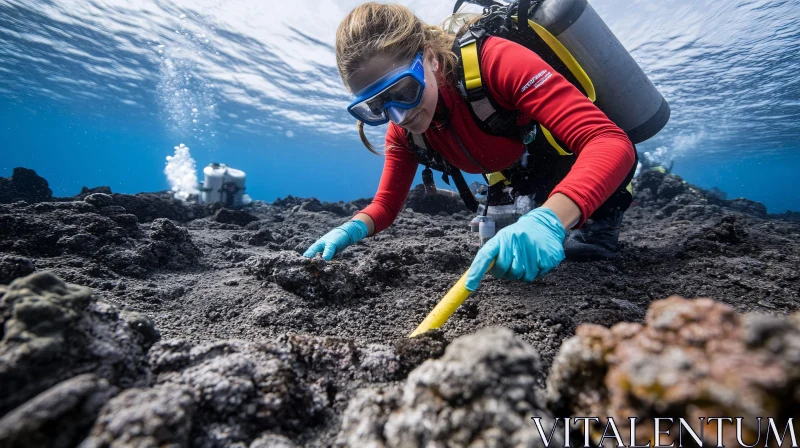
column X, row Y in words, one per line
column 446, row 307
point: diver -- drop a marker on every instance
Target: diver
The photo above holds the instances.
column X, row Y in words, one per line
column 650, row 162
column 411, row 75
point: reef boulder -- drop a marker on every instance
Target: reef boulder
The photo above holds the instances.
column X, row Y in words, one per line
column 690, row 359
column 54, row 331
column 479, row 393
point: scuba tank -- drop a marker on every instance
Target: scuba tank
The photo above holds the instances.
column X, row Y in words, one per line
column 572, row 32
column 624, row 92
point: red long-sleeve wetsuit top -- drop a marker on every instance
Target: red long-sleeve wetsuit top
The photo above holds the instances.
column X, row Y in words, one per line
column 605, row 154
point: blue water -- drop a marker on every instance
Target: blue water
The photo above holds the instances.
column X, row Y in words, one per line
column 99, row 92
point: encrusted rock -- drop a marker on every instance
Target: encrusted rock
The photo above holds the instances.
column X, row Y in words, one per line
column 55, row 331
column 272, row 441
column 480, row 393
column 159, row 416
column 59, row 416
column 12, row 267
column 691, row 359
column 308, row 278
column 241, row 389
column 317, row 279
column 100, row 200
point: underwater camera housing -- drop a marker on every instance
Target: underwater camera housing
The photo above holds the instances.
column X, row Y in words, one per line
column 225, row 185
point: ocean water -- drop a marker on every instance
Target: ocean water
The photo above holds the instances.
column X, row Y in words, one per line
column 100, row 92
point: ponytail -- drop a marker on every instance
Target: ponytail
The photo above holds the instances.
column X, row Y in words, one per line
column 365, row 140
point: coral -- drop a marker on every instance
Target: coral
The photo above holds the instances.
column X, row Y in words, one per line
column 691, row 359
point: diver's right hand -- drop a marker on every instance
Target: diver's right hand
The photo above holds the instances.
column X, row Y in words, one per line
column 337, row 239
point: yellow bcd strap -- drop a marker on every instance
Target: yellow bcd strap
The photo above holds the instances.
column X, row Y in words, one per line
column 573, row 66
column 566, row 57
column 472, row 68
column 472, row 72
column 495, row 178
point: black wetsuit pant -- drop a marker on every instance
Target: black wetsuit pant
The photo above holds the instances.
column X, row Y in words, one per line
column 548, row 170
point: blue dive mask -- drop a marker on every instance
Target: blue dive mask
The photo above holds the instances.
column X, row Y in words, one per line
column 399, row 91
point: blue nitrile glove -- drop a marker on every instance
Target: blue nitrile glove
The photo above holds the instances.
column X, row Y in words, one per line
column 526, row 250
column 337, row 239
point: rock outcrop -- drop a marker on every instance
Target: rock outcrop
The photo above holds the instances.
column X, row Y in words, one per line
column 24, row 185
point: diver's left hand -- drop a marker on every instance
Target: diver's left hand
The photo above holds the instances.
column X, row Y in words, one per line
column 527, row 249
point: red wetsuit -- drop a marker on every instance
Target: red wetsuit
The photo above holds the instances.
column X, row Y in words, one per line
column 605, row 154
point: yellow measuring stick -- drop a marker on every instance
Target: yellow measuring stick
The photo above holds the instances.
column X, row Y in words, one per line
column 446, row 307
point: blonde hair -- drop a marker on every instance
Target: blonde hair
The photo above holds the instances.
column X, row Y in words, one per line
column 374, row 29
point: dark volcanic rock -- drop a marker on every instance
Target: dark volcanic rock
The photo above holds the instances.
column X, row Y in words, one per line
column 93, row 231
column 51, row 228
column 24, row 185
column 100, row 200
column 86, row 191
column 150, row 206
column 315, row 205
column 480, row 393
column 414, row 351
column 316, row 279
column 238, row 217
column 749, row 207
column 171, row 245
column 261, row 238
column 160, row 416
column 241, row 389
column 433, row 204
column 59, row 417
column 12, row 267
column 55, row 331
column 725, row 237
column 308, row 278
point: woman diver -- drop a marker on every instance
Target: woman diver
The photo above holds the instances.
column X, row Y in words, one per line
column 405, row 72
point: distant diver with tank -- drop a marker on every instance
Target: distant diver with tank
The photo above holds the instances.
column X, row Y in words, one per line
column 547, row 111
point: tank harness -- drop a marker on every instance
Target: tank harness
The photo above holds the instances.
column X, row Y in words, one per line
column 542, row 150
